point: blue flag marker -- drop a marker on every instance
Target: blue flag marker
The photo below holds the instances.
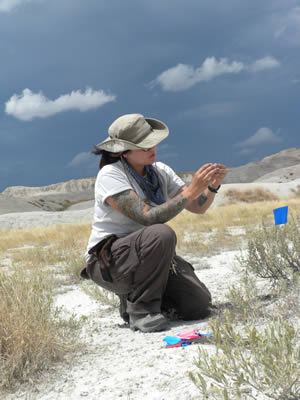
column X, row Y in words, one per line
column 280, row 215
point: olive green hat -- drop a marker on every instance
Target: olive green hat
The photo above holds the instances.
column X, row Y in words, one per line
column 134, row 132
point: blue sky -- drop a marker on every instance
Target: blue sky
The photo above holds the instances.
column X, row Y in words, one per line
column 223, row 75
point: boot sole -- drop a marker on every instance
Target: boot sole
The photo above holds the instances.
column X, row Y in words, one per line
column 150, row 327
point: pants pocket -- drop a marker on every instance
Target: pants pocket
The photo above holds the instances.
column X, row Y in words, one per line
column 122, row 285
column 125, row 260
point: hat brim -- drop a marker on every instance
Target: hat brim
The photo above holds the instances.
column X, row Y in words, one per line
column 158, row 133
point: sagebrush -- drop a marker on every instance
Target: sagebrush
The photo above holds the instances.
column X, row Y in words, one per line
column 273, row 252
column 250, row 362
column 257, row 338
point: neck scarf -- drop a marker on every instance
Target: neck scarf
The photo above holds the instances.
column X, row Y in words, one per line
column 149, row 183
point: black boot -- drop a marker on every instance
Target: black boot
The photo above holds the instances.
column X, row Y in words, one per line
column 122, row 309
column 148, row 322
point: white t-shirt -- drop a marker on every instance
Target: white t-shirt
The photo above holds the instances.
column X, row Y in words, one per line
column 111, row 180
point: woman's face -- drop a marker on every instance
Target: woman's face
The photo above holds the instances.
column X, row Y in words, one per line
column 140, row 158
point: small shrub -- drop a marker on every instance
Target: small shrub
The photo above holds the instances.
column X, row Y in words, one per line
column 250, row 361
column 287, row 304
column 244, row 298
column 274, row 252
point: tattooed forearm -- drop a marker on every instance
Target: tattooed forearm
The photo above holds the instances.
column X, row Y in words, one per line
column 135, row 208
column 201, row 199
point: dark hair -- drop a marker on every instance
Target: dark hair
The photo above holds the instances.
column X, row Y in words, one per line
column 107, row 157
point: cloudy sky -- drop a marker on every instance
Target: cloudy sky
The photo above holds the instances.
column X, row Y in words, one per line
column 223, row 75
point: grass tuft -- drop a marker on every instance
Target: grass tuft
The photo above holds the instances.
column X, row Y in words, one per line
column 104, row 296
column 31, row 332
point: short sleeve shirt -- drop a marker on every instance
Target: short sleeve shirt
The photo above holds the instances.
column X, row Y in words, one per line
column 112, row 179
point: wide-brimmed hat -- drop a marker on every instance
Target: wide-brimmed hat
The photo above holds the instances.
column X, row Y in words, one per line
column 134, row 132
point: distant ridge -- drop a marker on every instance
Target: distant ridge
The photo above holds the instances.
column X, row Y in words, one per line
column 273, row 164
column 74, row 185
column 282, row 167
column 55, row 197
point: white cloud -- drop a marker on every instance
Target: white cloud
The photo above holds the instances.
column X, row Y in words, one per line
column 8, row 5
column 29, row 105
column 287, row 25
column 84, row 159
column 267, row 62
column 261, row 136
column 184, row 76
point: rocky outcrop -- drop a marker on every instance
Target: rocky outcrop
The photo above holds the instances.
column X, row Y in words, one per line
column 269, row 165
column 282, row 175
column 72, row 186
column 10, row 204
column 56, row 197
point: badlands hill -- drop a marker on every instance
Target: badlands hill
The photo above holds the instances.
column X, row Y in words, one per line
column 78, row 194
column 280, row 167
column 56, row 197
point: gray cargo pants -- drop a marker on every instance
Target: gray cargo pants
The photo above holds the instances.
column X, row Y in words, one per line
column 141, row 274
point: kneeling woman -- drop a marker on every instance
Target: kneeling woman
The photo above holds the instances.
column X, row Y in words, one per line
column 131, row 251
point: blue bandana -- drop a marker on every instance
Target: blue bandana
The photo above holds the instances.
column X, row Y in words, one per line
column 149, row 183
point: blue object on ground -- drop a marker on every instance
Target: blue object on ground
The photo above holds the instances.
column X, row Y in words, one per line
column 186, row 338
column 171, row 340
column 280, row 215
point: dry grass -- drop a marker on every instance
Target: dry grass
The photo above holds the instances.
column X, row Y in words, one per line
column 62, row 243
column 224, row 227
column 31, row 332
column 61, row 235
column 231, row 215
column 31, row 335
column 104, row 296
column 62, row 246
column 250, row 195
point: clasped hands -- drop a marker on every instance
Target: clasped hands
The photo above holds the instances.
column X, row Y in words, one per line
column 208, row 175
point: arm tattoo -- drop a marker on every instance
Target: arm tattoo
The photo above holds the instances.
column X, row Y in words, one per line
column 201, row 199
column 135, row 208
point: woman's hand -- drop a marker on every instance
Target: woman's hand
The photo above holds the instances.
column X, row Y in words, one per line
column 220, row 173
column 206, row 175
